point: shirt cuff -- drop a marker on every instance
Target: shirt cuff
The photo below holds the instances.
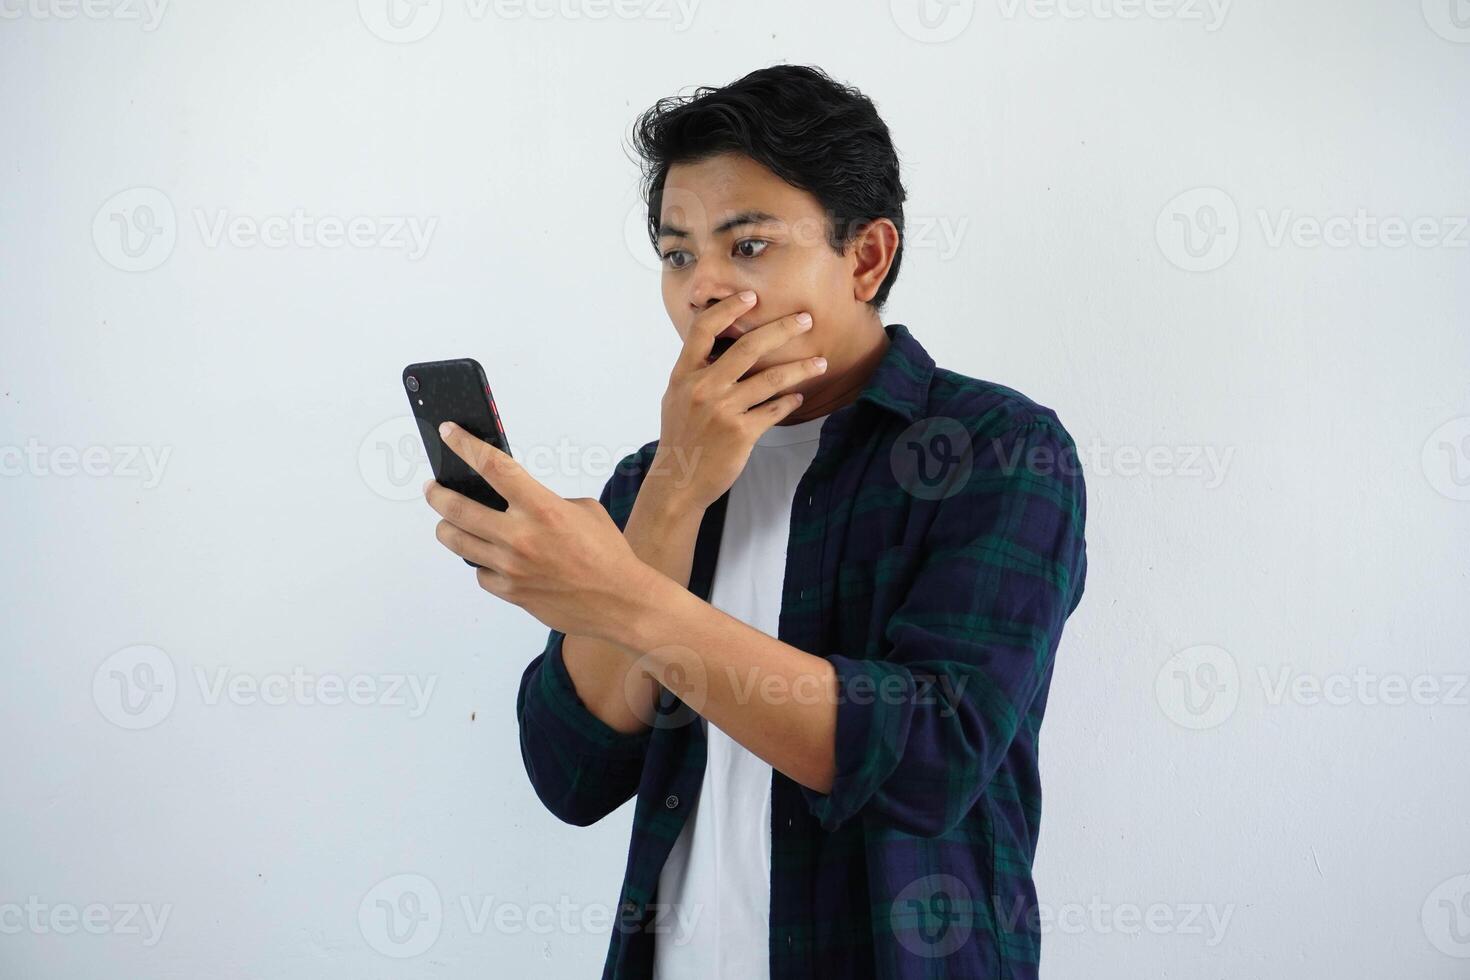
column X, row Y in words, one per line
column 556, row 709
column 875, row 707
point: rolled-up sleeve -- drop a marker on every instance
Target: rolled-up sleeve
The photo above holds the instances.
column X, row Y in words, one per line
column 923, row 728
column 580, row 767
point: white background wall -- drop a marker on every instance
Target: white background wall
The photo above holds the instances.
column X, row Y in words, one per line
column 1302, row 520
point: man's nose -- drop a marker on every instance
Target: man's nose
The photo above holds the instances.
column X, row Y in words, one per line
column 704, row 298
column 714, row 281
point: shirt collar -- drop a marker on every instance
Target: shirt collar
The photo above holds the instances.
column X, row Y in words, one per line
column 900, row 383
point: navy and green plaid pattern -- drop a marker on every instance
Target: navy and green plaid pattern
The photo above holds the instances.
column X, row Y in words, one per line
column 936, row 549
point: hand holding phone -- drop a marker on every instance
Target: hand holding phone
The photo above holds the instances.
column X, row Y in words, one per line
column 456, row 391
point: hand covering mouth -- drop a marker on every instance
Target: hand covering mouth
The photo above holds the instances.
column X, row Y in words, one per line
column 721, row 345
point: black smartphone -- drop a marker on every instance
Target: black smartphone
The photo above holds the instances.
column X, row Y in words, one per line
column 456, row 391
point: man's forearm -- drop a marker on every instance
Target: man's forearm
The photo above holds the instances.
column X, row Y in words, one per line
column 776, row 700
column 661, row 530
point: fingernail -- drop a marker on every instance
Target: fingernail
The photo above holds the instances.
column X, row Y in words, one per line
column 748, row 295
column 445, row 428
column 805, row 319
column 820, row 362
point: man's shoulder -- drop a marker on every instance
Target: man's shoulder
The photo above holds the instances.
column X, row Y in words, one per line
column 634, row 466
column 620, row 491
column 986, row 408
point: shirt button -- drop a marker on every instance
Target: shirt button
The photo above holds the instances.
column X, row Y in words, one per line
column 671, row 802
column 803, row 593
column 630, row 907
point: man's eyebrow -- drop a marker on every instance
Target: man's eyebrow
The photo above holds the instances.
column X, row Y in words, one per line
column 666, row 230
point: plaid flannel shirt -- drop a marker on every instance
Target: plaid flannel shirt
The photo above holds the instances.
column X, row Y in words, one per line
column 936, row 549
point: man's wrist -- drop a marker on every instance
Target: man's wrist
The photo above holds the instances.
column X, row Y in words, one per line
column 651, row 596
column 664, row 501
column 660, row 521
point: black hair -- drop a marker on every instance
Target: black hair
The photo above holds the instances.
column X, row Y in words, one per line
column 813, row 132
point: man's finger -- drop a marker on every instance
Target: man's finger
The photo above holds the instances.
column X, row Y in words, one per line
column 481, row 521
column 699, row 343
column 466, row 545
column 492, row 582
column 508, row 477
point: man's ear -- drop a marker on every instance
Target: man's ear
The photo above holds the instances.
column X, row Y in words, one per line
column 872, row 252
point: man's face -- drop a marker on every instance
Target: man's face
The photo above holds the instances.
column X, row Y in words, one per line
column 729, row 224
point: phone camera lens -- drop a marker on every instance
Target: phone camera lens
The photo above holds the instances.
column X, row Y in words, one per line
column 413, row 383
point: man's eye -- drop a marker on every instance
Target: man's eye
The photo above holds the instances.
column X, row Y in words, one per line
column 743, row 246
column 669, row 258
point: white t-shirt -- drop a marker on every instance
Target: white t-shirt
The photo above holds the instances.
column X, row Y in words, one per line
column 717, row 879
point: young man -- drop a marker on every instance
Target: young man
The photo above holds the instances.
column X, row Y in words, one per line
column 835, row 755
